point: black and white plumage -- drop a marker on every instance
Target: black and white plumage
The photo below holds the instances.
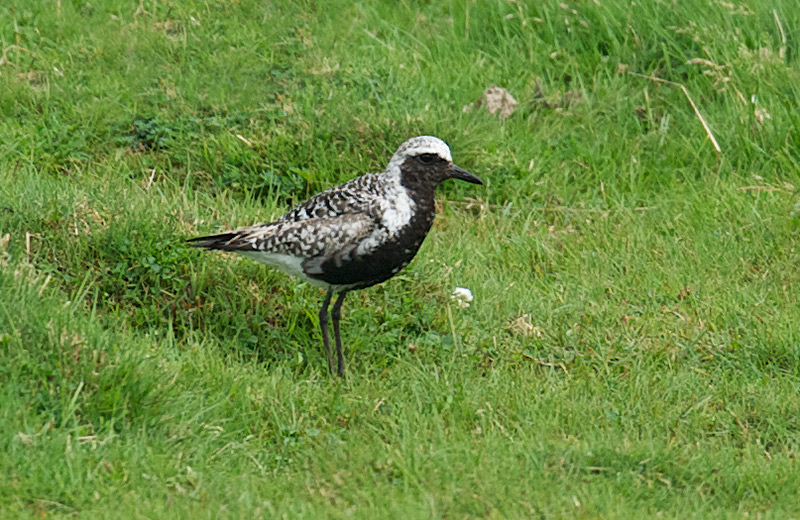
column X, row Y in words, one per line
column 354, row 235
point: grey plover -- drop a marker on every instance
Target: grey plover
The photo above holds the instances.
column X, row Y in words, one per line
column 354, row 235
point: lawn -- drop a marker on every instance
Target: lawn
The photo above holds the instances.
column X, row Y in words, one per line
column 633, row 347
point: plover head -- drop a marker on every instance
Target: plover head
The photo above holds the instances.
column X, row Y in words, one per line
column 426, row 161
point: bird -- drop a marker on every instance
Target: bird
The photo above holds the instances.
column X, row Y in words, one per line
column 354, row 235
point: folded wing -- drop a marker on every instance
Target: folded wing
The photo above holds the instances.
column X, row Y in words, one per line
column 303, row 239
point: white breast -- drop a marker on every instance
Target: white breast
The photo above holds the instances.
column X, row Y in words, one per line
column 399, row 209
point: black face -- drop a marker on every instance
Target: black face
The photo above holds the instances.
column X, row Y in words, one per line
column 429, row 169
column 425, row 170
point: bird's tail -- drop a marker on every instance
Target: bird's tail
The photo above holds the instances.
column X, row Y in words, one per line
column 220, row 242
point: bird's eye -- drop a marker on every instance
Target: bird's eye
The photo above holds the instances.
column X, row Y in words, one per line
column 427, row 158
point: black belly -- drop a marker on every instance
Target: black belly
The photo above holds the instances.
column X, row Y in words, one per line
column 381, row 264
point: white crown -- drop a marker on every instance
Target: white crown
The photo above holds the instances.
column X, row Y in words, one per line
column 419, row 145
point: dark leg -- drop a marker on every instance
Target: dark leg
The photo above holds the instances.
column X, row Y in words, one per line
column 323, row 324
column 336, row 313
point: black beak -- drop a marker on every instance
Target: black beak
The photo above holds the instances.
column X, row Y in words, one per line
column 456, row 172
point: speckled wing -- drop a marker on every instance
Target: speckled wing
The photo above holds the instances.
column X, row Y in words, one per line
column 362, row 195
column 302, row 239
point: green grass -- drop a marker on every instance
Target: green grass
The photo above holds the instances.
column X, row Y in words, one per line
column 634, row 343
